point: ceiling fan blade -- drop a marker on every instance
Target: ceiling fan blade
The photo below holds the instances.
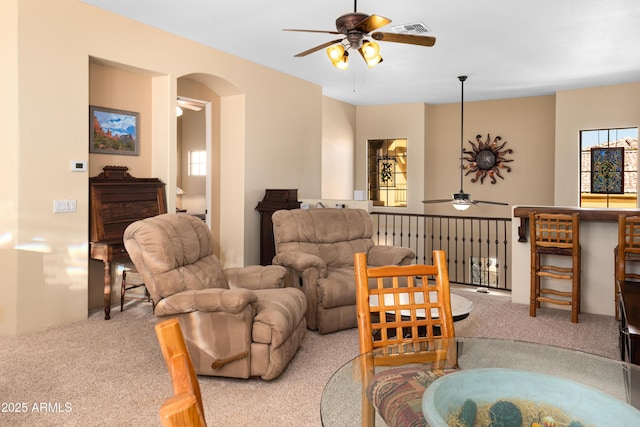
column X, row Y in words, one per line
column 312, row 31
column 372, row 23
column 437, row 201
column 405, row 38
column 317, row 48
column 491, row 203
column 188, row 105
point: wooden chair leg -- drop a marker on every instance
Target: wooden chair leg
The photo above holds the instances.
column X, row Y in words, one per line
column 122, row 289
column 535, row 287
column 575, row 293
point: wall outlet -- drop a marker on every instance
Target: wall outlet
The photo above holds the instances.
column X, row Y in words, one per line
column 61, row 206
column 304, row 206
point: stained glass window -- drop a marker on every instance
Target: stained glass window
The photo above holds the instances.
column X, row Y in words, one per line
column 607, row 170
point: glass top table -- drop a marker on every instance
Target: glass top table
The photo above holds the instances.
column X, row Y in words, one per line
column 341, row 403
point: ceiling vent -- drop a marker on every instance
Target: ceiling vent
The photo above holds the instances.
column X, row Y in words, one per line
column 415, row 29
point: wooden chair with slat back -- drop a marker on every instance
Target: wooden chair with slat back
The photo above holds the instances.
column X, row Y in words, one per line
column 402, row 313
column 181, row 410
column 628, row 250
column 185, row 407
column 555, row 235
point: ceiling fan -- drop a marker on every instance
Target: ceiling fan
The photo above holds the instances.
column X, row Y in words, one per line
column 462, row 200
column 356, row 30
column 189, row 104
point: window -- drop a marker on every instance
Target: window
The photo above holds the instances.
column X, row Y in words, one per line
column 609, row 168
column 387, row 165
column 197, row 163
column 484, row 271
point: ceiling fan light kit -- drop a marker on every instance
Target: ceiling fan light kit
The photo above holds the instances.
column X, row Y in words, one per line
column 370, row 51
column 338, row 56
column 357, row 31
column 461, row 201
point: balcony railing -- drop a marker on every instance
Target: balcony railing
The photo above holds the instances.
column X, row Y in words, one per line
column 478, row 248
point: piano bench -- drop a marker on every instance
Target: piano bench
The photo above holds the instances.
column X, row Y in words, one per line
column 126, row 286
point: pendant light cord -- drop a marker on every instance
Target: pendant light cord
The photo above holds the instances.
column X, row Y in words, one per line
column 462, row 79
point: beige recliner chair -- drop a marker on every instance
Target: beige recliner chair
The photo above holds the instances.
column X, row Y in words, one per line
column 317, row 247
column 237, row 322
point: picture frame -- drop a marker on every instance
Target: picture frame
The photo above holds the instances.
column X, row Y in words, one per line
column 113, row 131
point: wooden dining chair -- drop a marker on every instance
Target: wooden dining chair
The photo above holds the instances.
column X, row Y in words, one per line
column 555, row 235
column 185, row 407
column 404, row 317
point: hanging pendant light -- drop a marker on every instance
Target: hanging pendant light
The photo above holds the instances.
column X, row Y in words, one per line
column 461, row 200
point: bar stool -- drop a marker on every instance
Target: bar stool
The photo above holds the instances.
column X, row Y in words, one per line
column 628, row 250
column 554, row 234
column 126, row 286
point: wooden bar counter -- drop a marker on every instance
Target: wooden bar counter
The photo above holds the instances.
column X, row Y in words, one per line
column 586, row 214
column 598, row 238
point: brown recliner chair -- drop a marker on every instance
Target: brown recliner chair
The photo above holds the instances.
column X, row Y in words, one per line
column 317, row 247
column 237, row 322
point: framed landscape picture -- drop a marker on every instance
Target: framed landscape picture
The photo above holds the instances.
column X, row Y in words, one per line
column 113, row 131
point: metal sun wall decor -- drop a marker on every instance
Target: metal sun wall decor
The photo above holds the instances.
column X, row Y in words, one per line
column 487, row 159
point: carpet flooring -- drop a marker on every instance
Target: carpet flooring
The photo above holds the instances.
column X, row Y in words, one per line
column 111, row 373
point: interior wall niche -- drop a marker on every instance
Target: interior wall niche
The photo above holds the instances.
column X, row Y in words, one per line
column 120, row 87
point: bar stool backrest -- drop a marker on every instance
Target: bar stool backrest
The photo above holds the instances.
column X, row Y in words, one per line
column 628, row 246
column 558, row 231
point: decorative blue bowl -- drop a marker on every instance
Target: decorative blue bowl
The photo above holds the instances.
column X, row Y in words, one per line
column 577, row 401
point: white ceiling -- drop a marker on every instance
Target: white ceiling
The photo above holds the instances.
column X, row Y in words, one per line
column 508, row 48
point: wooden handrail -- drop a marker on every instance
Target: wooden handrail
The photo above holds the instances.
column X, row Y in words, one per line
column 586, row 214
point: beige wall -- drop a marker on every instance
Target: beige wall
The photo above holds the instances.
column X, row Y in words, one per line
column 388, row 122
column 595, row 108
column 526, row 124
column 47, row 253
column 433, row 141
column 9, row 127
column 338, row 149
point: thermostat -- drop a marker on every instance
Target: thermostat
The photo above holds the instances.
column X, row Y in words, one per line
column 78, row 166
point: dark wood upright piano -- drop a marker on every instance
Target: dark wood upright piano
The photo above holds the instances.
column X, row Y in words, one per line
column 117, row 199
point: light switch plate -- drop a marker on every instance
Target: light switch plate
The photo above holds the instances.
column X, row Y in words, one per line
column 62, row 206
column 78, row 166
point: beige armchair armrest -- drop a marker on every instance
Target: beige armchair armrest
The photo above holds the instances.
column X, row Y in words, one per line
column 390, row 255
column 212, row 299
column 300, row 261
column 256, row 277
